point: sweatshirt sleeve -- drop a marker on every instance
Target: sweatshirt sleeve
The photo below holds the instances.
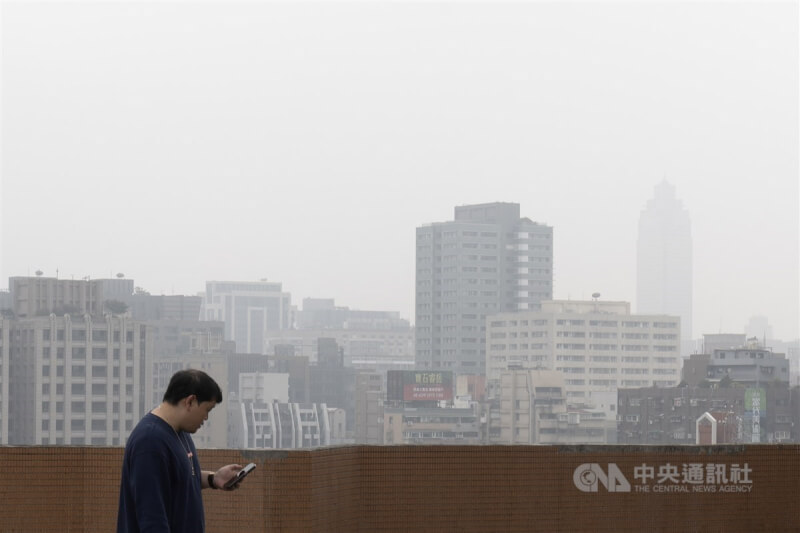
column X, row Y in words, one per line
column 150, row 487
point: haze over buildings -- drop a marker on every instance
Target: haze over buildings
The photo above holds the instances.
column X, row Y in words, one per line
column 303, row 142
column 664, row 259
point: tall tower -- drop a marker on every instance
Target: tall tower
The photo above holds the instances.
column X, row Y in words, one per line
column 664, row 259
column 488, row 260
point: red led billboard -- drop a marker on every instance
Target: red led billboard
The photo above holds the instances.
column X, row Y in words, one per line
column 416, row 386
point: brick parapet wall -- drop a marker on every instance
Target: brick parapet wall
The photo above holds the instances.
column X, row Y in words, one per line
column 426, row 488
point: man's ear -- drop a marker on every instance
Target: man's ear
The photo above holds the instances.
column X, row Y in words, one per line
column 190, row 400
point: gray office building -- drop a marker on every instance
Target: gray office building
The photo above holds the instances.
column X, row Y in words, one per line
column 488, row 260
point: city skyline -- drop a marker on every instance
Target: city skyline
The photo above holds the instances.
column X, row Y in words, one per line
column 305, row 143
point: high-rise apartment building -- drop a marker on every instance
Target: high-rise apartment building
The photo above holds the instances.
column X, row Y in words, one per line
column 664, row 259
column 77, row 380
column 488, row 260
column 249, row 309
column 598, row 345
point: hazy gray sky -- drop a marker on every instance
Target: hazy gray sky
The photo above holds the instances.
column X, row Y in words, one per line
column 304, row 142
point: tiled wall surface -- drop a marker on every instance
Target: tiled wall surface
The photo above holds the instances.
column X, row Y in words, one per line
column 435, row 488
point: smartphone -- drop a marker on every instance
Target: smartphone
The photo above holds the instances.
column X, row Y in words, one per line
column 240, row 475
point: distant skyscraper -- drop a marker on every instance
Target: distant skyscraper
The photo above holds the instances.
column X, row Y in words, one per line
column 486, row 261
column 664, row 259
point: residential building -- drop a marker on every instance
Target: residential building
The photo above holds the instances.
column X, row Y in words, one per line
column 331, row 383
column 598, row 345
column 323, row 313
column 792, row 351
column 365, row 349
column 420, row 409
column 664, row 260
column 487, row 260
column 182, row 337
column 41, row 296
column 278, row 425
column 471, row 386
column 337, row 420
column 250, row 409
column 721, row 341
column 5, row 302
column 5, row 364
column 752, row 365
column 431, row 425
column 76, row 379
column 295, row 366
column 264, row 387
column 369, row 396
column 164, row 307
column 249, row 310
column 669, row 415
column 695, row 369
column 534, row 410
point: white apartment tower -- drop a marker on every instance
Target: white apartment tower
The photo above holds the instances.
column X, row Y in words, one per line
column 664, row 259
column 486, row 261
column 77, row 380
column 599, row 346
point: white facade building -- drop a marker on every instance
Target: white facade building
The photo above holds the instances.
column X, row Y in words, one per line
column 77, row 380
column 249, row 309
column 599, row 346
column 263, row 418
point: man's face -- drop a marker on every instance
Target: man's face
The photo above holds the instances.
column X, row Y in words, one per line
column 196, row 413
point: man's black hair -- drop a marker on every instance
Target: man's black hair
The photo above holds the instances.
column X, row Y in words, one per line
column 184, row 383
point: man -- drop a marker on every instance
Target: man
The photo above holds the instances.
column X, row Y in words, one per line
column 161, row 476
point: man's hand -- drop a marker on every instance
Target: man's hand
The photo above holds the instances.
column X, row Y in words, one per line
column 225, row 474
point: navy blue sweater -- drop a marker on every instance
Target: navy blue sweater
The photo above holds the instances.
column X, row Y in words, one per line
column 158, row 492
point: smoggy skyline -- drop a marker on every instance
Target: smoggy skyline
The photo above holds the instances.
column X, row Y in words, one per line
column 305, row 142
